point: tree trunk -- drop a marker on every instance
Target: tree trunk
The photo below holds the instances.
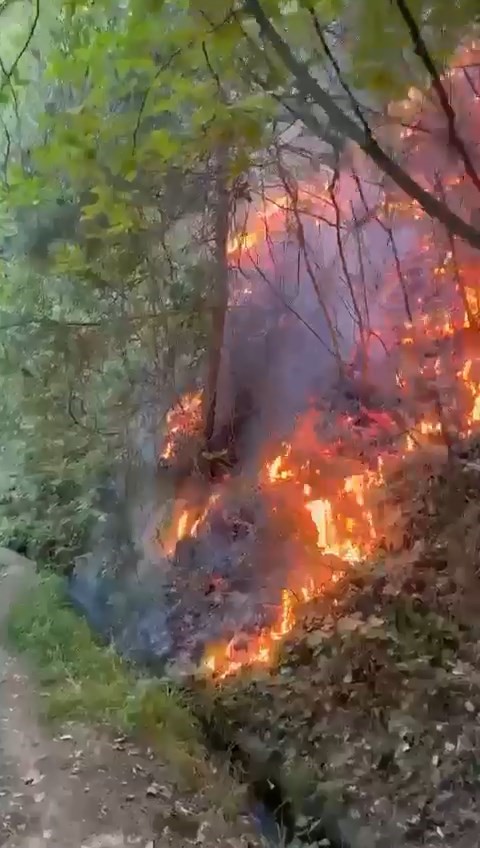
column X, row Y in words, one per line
column 219, row 292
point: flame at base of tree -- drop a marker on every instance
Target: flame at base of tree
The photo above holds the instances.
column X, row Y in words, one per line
column 183, row 419
column 347, row 528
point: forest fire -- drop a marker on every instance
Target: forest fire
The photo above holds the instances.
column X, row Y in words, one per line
column 181, row 418
column 329, row 471
column 341, row 512
column 271, row 217
column 345, row 525
column 340, row 507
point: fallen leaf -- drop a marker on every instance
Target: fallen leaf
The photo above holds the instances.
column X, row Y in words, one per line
column 348, row 624
column 315, row 639
column 373, row 621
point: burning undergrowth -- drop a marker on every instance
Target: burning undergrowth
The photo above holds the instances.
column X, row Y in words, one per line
column 247, row 551
column 373, row 700
column 253, row 548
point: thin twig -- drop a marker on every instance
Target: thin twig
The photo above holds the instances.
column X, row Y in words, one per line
column 310, row 91
column 421, row 50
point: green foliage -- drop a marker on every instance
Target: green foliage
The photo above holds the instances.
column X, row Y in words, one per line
column 383, row 56
column 82, row 680
column 89, row 294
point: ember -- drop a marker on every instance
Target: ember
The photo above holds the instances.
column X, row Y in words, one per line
column 422, row 387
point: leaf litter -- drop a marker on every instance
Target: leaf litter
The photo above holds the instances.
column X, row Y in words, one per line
column 374, row 701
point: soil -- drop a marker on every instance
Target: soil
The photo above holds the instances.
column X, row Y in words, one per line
column 79, row 787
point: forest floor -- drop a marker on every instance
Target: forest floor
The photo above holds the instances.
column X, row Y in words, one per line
column 74, row 786
column 374, row 700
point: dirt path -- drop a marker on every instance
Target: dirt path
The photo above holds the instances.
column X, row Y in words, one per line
column 79, row 789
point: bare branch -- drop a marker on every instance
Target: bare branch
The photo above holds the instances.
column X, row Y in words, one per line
column 7, row 80
column 94, row 431
column 8, row 148
column 147, row 92
column 423, row 53
column 106, row 322
column 300, row 233
column 352, row 99
column 212, row 71
column 472, row 319
column 285, row 303
column 310, row 91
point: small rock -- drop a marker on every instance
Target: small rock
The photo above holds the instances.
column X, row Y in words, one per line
column 105, row 840
column 178, row 822
column 153, row 791
column 32, row 778
column 200, row 838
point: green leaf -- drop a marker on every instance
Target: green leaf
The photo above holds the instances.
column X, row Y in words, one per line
column 161, row 142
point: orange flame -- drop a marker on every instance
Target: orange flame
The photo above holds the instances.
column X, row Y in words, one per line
column 348, row 539
column 186, row 522
column 182, row 417
column 271, row 217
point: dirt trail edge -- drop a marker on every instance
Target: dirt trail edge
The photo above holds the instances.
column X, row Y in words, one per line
column 78, row 788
